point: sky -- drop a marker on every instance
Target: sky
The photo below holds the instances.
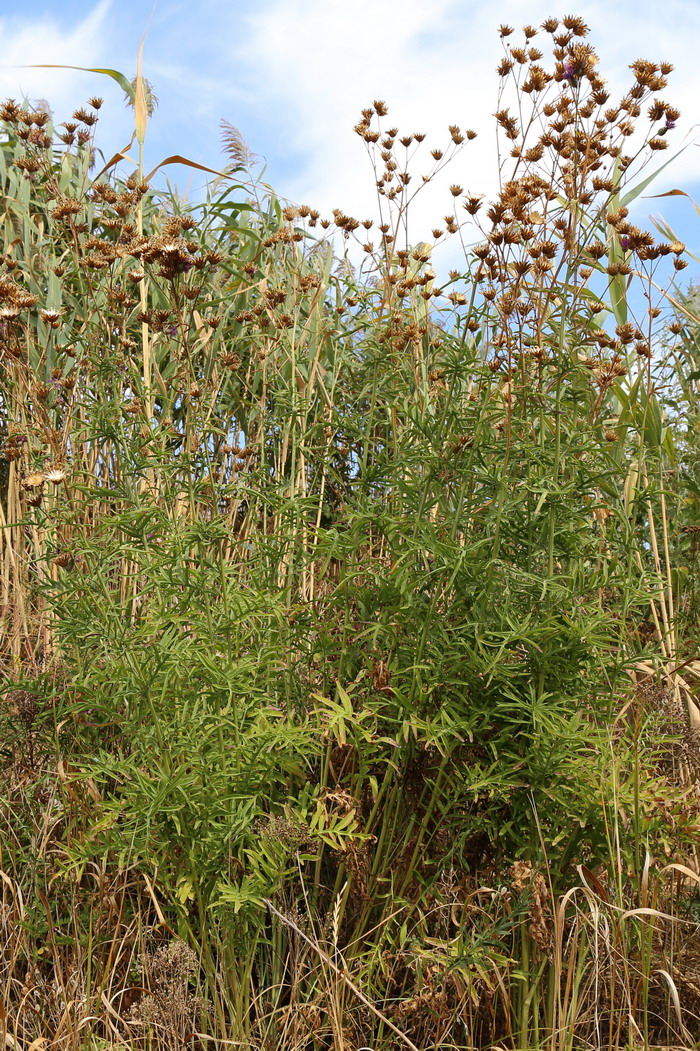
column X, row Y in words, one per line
column 293, row 76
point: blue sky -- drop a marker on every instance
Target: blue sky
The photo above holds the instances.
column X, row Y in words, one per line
column 293, row 75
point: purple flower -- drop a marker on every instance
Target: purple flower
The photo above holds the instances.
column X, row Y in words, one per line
column 625, row 241
column 569, row 73
column 670, row 124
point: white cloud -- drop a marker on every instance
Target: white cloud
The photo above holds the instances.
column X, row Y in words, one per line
column 295, row 74
column 42, row 39
column 310, row 66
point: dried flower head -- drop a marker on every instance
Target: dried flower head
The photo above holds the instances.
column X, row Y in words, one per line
column 55, row 473
column 51, row 317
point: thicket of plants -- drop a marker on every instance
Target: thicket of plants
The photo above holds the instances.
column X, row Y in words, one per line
column 349, row 614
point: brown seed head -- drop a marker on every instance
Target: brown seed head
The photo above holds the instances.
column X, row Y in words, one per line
column 575, row 24
column 83, row 116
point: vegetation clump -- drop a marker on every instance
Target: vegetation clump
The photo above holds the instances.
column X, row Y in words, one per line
column 350, row 690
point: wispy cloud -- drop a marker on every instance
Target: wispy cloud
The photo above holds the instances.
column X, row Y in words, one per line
column 33, row 40
column 295, row 74
column 309, row 66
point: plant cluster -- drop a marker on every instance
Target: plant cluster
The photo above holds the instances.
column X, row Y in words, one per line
column 350, row 696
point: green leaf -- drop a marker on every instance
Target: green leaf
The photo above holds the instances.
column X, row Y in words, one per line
column 121, row 80
column 636, row 191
